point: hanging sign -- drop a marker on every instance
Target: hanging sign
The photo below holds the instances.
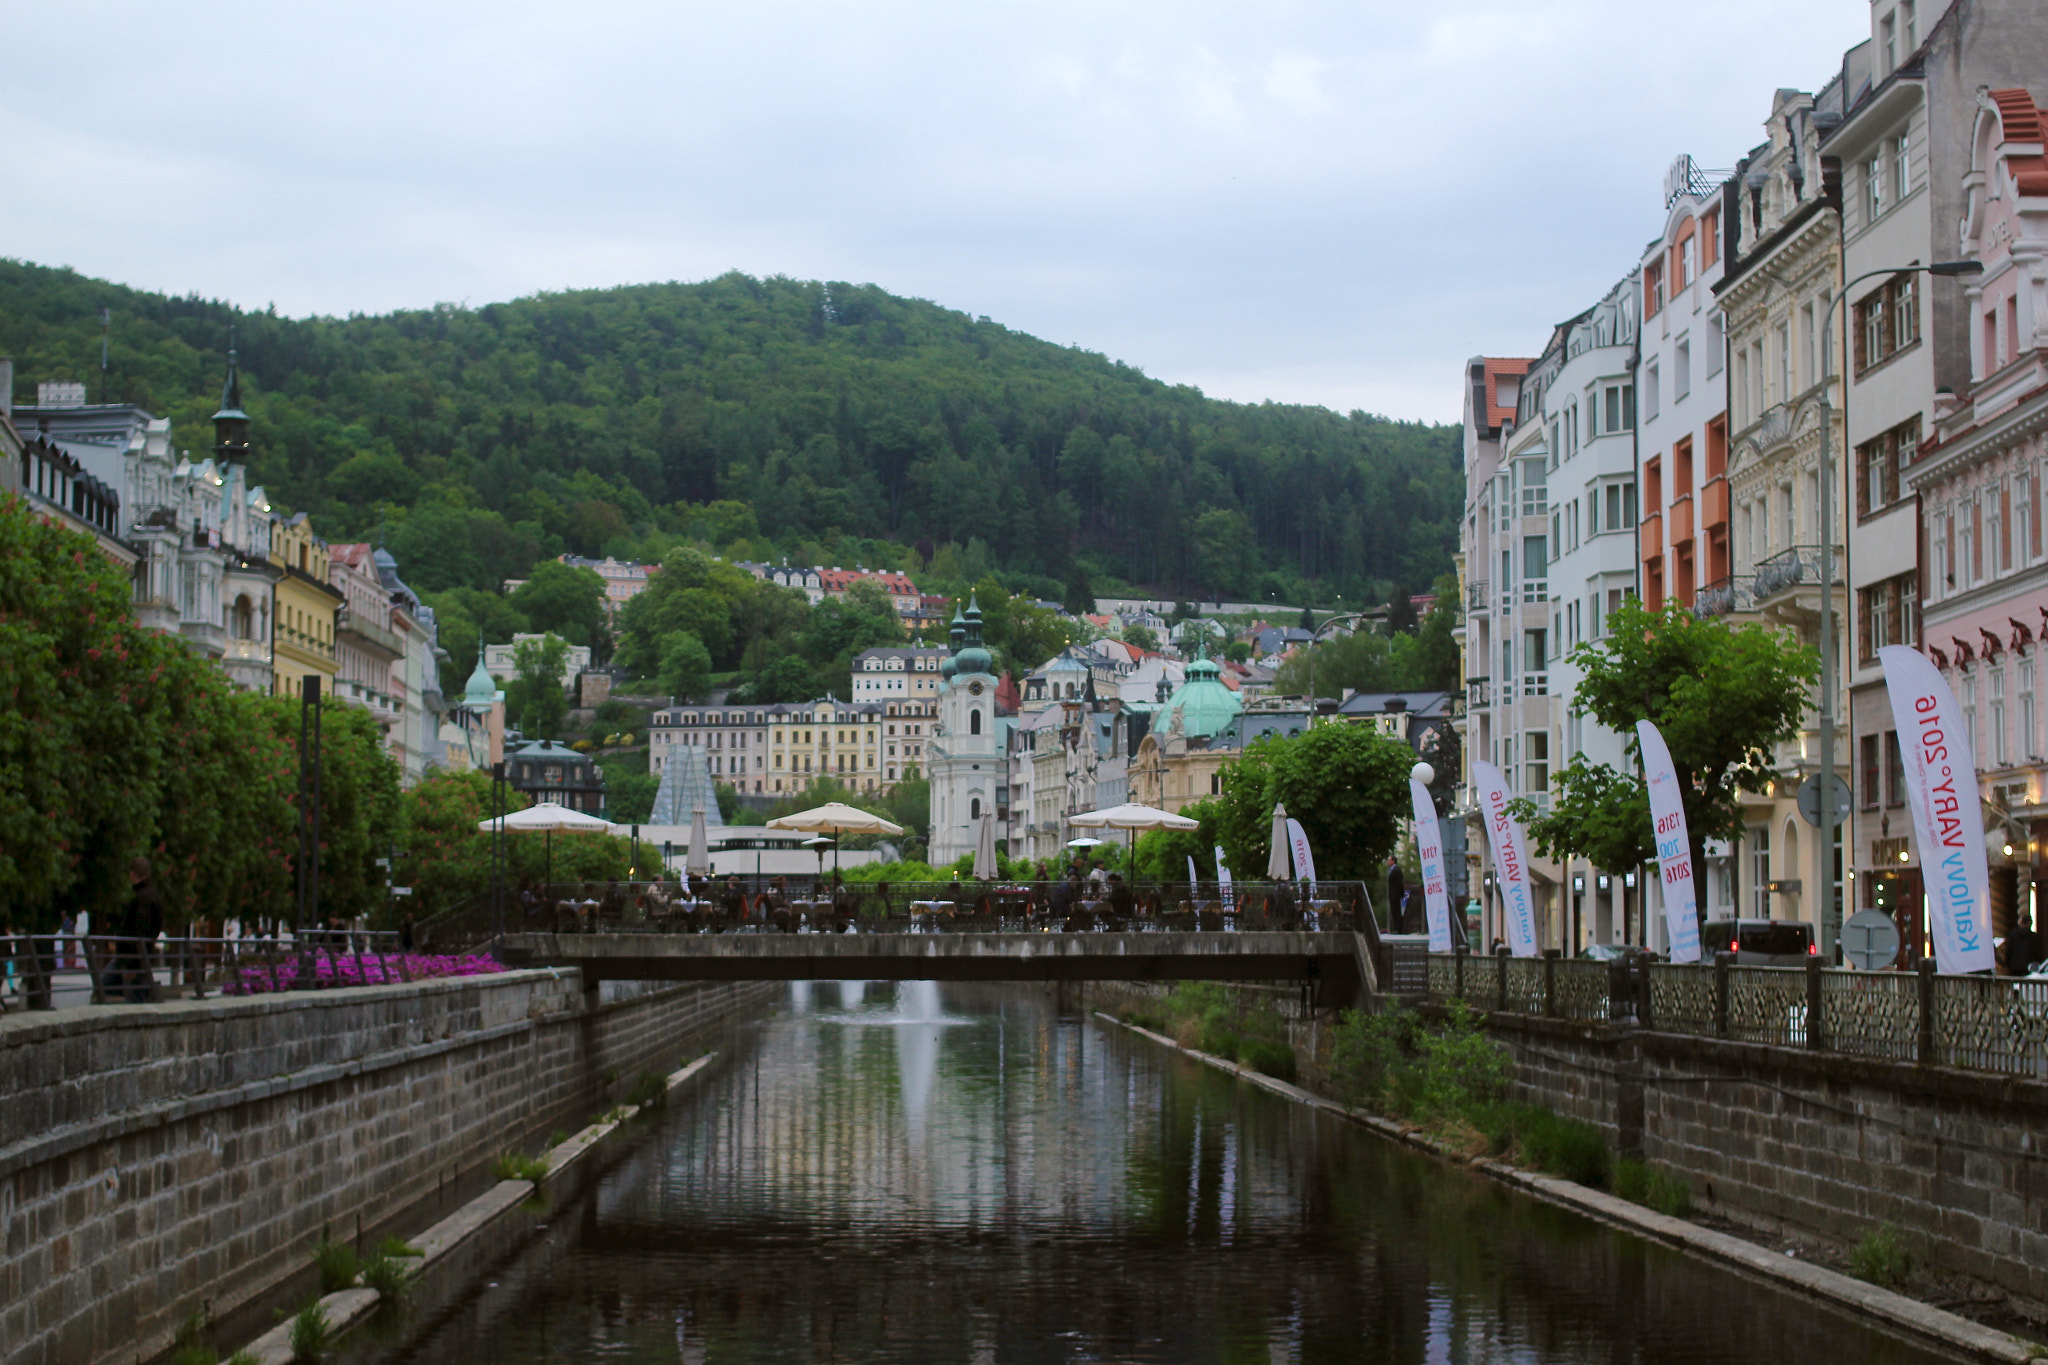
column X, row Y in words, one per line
column 1676, row 887
column 1304, row 861
column 1941, row 788
column 1429, row 845
column 1510, row 858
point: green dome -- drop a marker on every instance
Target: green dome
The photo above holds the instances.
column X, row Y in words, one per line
column 973, row 659
column 482, row 691
column 1204, row 706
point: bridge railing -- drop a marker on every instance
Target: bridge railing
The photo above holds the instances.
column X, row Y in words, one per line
column 798, row 905
column 41, row 971
column 1985, row 1023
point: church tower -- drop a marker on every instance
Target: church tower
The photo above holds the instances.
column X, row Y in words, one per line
column 231, row 424
column 968, row 753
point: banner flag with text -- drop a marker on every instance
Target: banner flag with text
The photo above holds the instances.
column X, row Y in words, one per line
column 1304, row 861
column 1941, row 788
column 1510, row 858
column 1222, row 872
column 1676, row 887
column 1429, row 847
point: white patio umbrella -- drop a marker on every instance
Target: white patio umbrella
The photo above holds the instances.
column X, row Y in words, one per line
column 985, row 848
column 835, row 817
column 699, row 861
column 546, row 818
column 1277, row 866
column 1130, row 818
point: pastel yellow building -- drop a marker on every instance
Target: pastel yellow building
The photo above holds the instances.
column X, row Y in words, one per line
column 306, row 604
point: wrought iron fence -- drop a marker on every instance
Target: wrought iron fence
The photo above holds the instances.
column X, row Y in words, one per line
column 42, row 971
column 1984, row 1023
column 1723, row 596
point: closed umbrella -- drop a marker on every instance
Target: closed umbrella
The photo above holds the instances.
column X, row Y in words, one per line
column 546, row 818
column 985, row 848
column 1276, row 859
column 699, row 861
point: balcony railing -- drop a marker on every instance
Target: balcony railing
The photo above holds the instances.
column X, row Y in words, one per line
column 246, row 652
column 1479, row 692
column 368, row 631
column 1475, row 594
column 1722, row 597
column 1791, row 568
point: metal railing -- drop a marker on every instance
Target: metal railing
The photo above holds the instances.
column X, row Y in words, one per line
column 1983, row 1023
column 1721, row 598
column 1790, row 568
column 1475, row 595
column 42, row 971
column 749, row 904
column 1479, row 692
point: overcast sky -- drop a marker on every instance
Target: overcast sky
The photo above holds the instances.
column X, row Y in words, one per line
column 1331, row 203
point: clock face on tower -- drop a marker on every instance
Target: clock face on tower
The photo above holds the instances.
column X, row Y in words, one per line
column 974, row 689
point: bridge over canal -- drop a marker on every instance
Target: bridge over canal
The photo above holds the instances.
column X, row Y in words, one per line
column 1336, row 965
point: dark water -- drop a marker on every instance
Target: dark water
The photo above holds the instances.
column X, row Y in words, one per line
column 896, row 1175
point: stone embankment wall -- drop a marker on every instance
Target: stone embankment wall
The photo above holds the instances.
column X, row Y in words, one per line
column 1815, row 1140
column 161, row 1160
column 1805, row 1139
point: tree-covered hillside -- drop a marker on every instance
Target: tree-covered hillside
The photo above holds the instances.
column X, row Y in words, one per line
column 829, row 423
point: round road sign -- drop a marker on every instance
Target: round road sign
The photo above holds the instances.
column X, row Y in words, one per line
column 1870, row 940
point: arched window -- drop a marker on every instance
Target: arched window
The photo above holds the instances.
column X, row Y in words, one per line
column 974, row 809
column 974, row 722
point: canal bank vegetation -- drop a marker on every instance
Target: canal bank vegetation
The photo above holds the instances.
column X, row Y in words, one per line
column 1448, row 1077
column 1233, row 1025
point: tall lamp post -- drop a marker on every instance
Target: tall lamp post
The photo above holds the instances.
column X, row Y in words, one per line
column 1314, row 636
column 1824, row 851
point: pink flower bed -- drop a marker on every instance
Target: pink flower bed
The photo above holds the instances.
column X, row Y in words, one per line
column 368, row 970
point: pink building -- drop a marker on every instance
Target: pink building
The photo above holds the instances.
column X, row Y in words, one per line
column 1984, row 583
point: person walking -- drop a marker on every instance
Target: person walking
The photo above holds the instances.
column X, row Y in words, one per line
column 141, row 921
column 1397, row 897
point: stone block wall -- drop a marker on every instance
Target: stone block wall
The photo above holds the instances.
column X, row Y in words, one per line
column 1814, row 1140
column 163, row 1159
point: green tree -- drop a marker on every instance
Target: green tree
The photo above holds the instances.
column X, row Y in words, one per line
column 1141, row 637
column 1347, row 784
column 1722, row 695
column 685, row 666
column 448, row 859
column 1162, row 854
column 567, row 601
column 536, row 695
column 359, row 810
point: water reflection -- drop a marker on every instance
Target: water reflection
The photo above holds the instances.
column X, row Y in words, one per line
column 892, row 1174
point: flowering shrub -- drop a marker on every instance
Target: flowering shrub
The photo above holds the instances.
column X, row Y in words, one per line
column 369, row 970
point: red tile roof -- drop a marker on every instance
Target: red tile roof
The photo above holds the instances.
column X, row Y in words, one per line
column 1500, row 414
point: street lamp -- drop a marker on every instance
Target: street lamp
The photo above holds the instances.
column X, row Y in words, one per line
column 1824, row 850
column 1314, row 636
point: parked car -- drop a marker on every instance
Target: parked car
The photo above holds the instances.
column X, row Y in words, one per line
column 1759, row 942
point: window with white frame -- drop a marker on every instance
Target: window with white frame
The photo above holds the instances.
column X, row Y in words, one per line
column 1873, row 187
column 1999, row 753
column 1716, row 343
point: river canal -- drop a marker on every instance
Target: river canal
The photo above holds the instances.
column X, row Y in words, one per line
column 923, row 1174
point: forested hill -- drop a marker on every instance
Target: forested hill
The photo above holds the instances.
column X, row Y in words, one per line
column 835, row 423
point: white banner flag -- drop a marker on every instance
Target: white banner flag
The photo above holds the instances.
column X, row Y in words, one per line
column 1676, row 887
column 1510, row 858
column 1222, row 872
column 1429, row 846
column 1304, row 861
column 1941, row 788
column 1192, row 878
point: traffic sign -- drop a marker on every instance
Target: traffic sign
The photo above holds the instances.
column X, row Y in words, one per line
column 1870, row 940
column 1809, row 798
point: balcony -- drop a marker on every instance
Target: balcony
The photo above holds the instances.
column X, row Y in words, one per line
column 1475, row 595
column 1723, row 597
column 1787, row 585
column 1652, row 537
column 368, row 632
column 1714, row 503
column 1478, row 692
column 247, row 652
column 1681, row 519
